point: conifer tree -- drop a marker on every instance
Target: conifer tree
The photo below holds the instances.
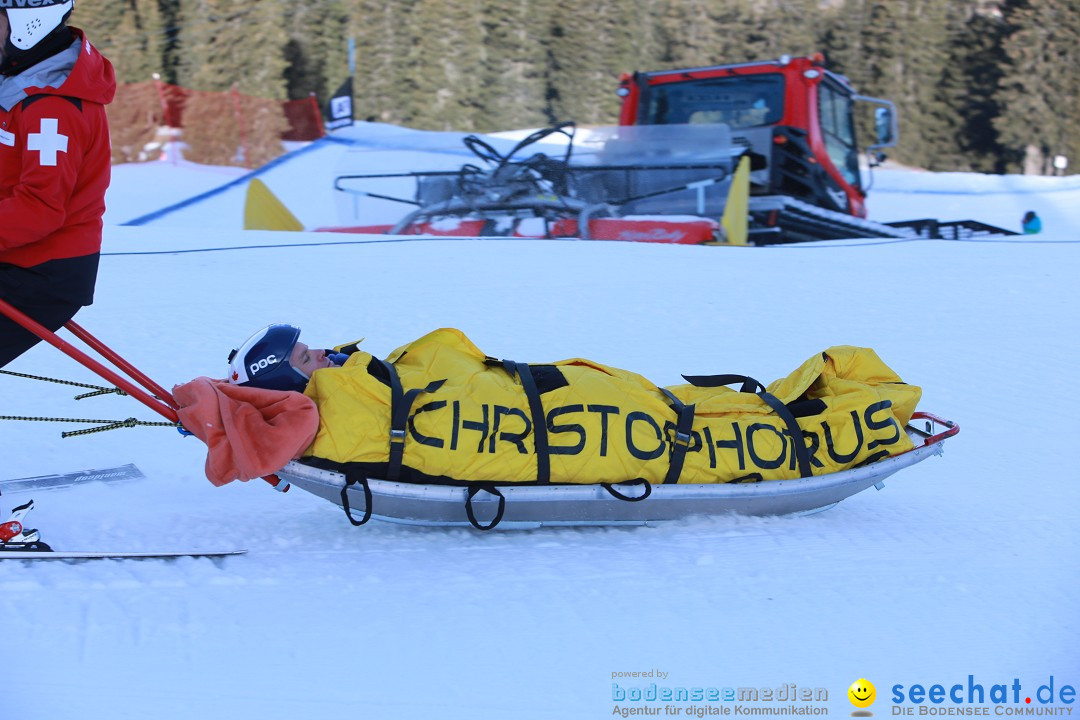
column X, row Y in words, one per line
column 442, row 65
column 697, row 33
column 102, row 24
column 317, row 47
column 843, row 43
column 170, row 39
column 641, row 45
column 969, row 86
column 922, row 67
column 582, row 74
column 783, row 27
column 976, row 88
column 381, row 44
column 230, row 43
column 129, row 33
column 237, row 48
column 869, row 41
column 1040, row 110
column 512, row 85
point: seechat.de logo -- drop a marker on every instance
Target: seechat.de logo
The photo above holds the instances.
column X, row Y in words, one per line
column 862, row 694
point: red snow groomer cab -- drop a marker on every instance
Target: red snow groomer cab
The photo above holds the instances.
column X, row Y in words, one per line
column 792, row 113
column 798, row 122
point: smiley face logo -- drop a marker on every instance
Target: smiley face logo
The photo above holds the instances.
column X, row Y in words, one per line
column 862, row 693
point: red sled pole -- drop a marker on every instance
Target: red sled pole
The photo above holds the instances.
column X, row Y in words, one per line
column 158, row 406
column 106, row 352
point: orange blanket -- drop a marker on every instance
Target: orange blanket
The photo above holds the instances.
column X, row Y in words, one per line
column 248, row 432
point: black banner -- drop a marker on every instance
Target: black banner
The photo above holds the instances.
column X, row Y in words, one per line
column 339, row 112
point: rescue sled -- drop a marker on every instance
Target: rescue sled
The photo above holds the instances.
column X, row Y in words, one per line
column 485, row 506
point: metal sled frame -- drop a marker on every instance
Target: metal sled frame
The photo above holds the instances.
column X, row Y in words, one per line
column 487, row 505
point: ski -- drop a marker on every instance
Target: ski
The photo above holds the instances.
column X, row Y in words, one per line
column 19, row 554
column 18, row 542
column 78, row 477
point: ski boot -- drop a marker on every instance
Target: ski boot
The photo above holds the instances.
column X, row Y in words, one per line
column 16, row 536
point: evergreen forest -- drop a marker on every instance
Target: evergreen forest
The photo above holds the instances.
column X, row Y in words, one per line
column 981, row 85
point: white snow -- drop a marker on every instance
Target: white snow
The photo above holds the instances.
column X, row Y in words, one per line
column 963, row 565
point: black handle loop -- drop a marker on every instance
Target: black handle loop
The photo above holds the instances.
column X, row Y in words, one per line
column 749, row 384
column 610, row 487
column 349, row 482
column 473, row 489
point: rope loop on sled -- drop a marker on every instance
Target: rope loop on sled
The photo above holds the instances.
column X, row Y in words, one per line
column 473, row 489
column 349, row 482
column 610, row 487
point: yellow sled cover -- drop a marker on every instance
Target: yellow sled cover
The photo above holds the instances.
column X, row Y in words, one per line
column 439, row 410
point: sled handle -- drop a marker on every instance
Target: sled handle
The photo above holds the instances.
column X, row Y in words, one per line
column 951, row 428
column 165, row 405
column 277, row 483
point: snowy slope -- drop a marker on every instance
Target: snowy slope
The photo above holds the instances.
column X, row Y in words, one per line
column 963, row 565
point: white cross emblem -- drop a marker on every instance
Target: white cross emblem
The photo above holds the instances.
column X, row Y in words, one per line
column 48, row 142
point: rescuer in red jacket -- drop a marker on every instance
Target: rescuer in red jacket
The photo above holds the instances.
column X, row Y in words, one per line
column 54, row 166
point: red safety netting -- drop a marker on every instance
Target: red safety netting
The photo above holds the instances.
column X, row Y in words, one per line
column 217, row 127
column 304, row 116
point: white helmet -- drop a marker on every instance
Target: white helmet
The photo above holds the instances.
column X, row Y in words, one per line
column 32, row 20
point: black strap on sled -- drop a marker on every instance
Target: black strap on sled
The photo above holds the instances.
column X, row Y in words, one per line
column 750, row 385
column 610, row 487
column 486, row 487
column 683, row 435
column 349, row 481
column 536, row 411
column 400, row 405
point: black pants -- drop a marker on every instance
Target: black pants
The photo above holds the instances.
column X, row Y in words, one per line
column 50, row 293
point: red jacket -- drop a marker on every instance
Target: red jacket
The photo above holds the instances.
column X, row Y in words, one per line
column 55, row 156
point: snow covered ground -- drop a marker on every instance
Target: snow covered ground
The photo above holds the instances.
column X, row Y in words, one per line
column 965, row 565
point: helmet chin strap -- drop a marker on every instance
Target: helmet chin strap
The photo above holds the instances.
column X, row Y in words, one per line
column 14, row 61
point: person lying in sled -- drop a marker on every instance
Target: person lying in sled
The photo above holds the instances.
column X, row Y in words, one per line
column 275, row 359
column 443, row 408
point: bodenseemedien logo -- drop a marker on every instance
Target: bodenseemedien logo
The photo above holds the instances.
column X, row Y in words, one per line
column 862, row 694
column 701, row 701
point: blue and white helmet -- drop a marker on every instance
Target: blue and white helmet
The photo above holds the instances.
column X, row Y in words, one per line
column 263, row 360
column 31, row 22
